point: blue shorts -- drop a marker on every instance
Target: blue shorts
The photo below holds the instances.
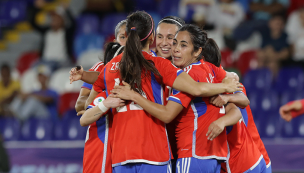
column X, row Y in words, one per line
column 268, row 169
column 142, row 168
column 260, row 168
column 193, row 165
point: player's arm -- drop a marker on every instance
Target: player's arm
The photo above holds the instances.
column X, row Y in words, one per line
column 185, row 83
column 239, row 99
column 93, row 114
column 232, row 75
column 91, row 97
column 82, row 98
column 77, row 73
column 292, row 110
column 232, row 116
column 164, row 113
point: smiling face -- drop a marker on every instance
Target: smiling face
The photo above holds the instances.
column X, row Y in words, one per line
column 121, row 37
column 183, row 50
column 165, row 33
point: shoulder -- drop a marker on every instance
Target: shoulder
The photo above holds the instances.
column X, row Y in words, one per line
column 97, row 66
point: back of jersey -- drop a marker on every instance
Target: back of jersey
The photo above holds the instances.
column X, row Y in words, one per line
column 139, row 137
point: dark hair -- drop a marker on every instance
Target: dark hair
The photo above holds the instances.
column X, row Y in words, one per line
column 280, row 15
column 173, row 20
column 139, row 27
column 5, row 66
column 199, row 38
column 118, row 26
column 110, row 50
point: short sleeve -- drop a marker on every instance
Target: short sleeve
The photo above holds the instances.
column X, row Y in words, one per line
column 99, row 83
column 219, row 73
column 180, row 97
column 97, row 67
column 168, row 71
column 183, row 98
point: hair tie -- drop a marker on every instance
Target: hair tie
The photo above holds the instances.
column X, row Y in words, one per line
column 133, row 28
column 151, row 28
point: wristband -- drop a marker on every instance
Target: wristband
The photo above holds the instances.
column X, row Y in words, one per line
column 102, row 107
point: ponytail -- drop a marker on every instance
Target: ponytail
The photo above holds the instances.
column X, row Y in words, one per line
column 133, row 63
column 212, row 53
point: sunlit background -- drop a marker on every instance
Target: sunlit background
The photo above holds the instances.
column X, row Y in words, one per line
column 261, row 40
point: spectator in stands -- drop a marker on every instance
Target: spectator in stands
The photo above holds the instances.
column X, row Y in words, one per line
column 295, row 30
column 261, row 11
column 41, row 103
column 220, row 17
column 57, row 40
column 274, row 48
column 9, row 89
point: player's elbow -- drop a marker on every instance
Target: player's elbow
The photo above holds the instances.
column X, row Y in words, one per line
column 83, row 122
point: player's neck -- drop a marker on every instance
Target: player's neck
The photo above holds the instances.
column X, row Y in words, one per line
column 146, row 48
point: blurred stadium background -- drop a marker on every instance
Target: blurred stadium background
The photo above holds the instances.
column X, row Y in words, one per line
column 54, row 144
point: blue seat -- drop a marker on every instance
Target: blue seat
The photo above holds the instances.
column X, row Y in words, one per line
column 110, row 21
column 267, row 103
column 288, row 96
column 290, row 79
column 87, row 24
column 12, row 11
column 259, row 80
column 146, row 5
column 268, row 126
column 69, row 128
column 288, row 129
column 168, row 8
column 10, row 128
column 300, row 126
column 86, row 42
column 37, row 129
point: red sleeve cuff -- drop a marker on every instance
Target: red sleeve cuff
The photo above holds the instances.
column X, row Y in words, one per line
column 295, row 114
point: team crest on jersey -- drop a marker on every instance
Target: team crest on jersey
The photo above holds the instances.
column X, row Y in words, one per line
column 98, row 100
column 188, row 68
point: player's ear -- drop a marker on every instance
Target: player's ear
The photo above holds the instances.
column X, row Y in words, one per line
column 198, row 52
column 114, row 40
column 151, row 38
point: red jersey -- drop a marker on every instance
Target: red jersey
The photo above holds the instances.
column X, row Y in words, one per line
column 139, row 137
column 243, row 153
column 97, row 148
column 218, row 72
column 194, row 120
column 254, row 132
column 97, row 67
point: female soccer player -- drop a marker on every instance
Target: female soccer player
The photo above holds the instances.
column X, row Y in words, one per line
column 97, row 149
column 140, row 140
column 195, row 152
column 86, row 88
column 165, row 32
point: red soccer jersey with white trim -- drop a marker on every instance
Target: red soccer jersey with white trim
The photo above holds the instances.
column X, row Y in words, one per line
column 97, row 148
column 97, row 67
column 218, row 72
column 194, row 120
column 243, row 152
column 255, row 134
column 138, row 136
